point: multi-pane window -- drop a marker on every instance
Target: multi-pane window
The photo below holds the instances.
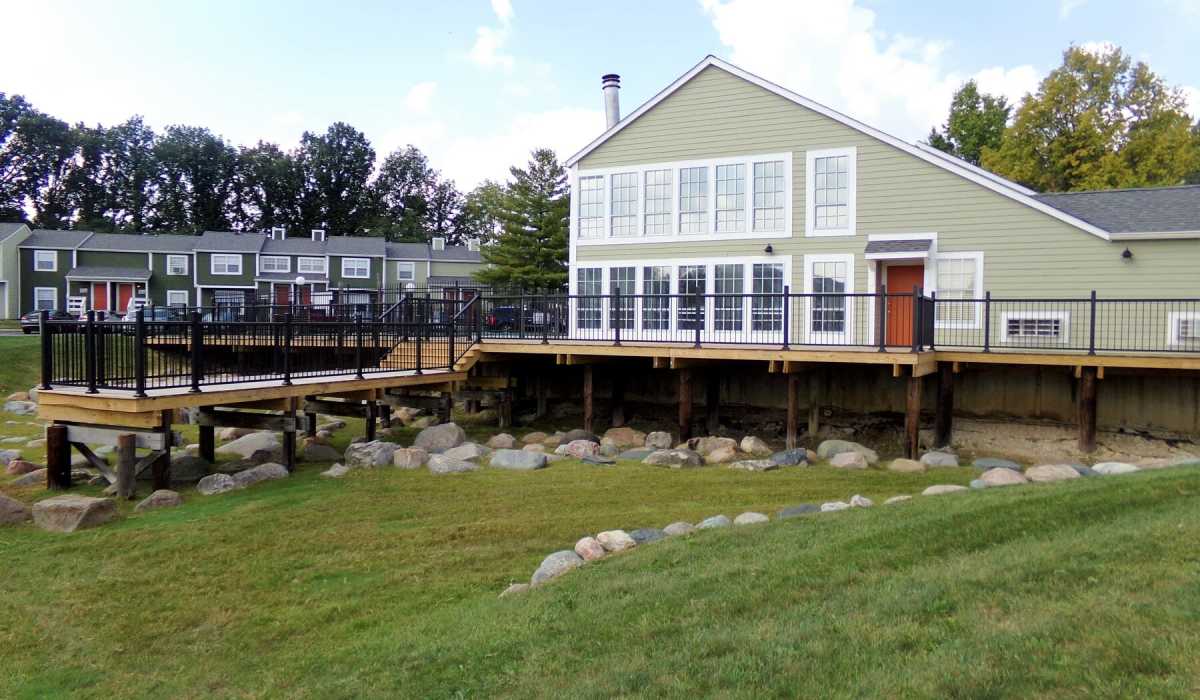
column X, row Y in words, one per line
column 406, row 271
column 589, row 286
column 177, row 297
column 223, row 264
column 769, row 196
column 693, row 200
column 357, row 268
column 727, row 310
column 591, row 207
column 313, row 266
column 831, row 192
column 177, row 264
column 624, row 204
column 829, row 312
column 658, row 202
column 691, row 289
column 766, row 309
column 656, row 304
column 45, row 260
column 275, row 263
column 731, row 198
column 45, row 298
column 622, row 283
column 956, row 279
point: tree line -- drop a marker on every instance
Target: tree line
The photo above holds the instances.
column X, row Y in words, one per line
column 186, row 179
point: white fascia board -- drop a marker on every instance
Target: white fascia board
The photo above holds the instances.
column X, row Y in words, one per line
column 1154, row 235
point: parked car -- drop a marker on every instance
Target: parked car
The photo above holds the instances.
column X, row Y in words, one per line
column 31, row 320
column 506, row 318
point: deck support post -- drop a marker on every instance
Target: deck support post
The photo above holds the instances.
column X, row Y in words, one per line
column 311, row 428
column 372, row 412
column 289, row 438
column 1087, row 409
column 541, row 389
column 589, row 412
column 446, row 411
column 618, row 399
column 385, row 414
column 912, row 418
column 712, row 401
column 126, row 458
column 504, row 409
column 208, row 443
column 58, row 457
column 814, row 404
column 944, row 417
column 793, row 410
column 685, row 405
column 162, row 465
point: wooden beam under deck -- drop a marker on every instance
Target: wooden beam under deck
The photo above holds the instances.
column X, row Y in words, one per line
column 573, row 353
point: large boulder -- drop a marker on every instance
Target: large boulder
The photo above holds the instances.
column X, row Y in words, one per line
column 754, row 465
column 185, row 469
column 246, row 445
column 376, row 453
column 263, row 472
column 33, row 478
column 468, row 451
column 17, row 467
column 518, row 460
column 405, row 414
column 834, row 506
column 849, row 460
column 553, row 441
column 7, row 456
column 795, row 457
column 579, row 449
column 659, row 440
column 534, row 438
column 317, row 452
column 942, row 489
column 897, row 499
column 12, row 511
column 590, row 549
column 441, row 464
column 906, row 466
column 556, row 565
column 615, row 540
column 1110, row 468
column 714, row 522
column 721, row 455
column 502, row 441
column 337, row 471
column 707, row 445
column 938, row 458
column 1002, row 477
column 534, row 447
column 579, row 434
column 18, row 396
column 213, row 484
column 1045, row 473
column 829, row 449
column 410, row 457
column 646, row 535
column 755, row 446
column 162, row 498
column 70, row 512
column 21, row 408
column 625, row 437
column 440, row 438
column 678, row 528
column 227, row 434
column 676, row 459
column 986, row 463
column 637, row 454
column 750, row 518
column 797, row 511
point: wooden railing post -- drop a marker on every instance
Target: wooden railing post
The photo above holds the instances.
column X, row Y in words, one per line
column 1092, row 325
column 881, row 321
column 47, row 348
column 139, row 353
column 90, row 351
column 787, row 326
column 197, row 352
column 987, row 321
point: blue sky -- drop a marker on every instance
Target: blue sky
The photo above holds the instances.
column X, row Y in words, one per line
column 477, row 84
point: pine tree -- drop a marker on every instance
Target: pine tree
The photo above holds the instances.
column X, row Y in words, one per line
column 531, row 251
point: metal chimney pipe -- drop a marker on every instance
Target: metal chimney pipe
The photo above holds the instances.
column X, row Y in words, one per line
column 611, row 84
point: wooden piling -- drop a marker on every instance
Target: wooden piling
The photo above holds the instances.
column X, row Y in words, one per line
column 793, row 409
column 588, row 407
column 912, row 418
column 814, row 404
column 712, row 401
column 208, row 443
column 58, row 458
column 618, row 398
column 1087, row 409
column 126, row 459
column 161, row 469
column 944, row 416
column 685, row 404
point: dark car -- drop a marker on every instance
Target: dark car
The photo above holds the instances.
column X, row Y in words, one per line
column 31, row 320
column 507, row 318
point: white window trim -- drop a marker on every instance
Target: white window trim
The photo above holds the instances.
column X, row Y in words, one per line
column 826, row 338
column 287, row 263
column 176, row 293
column 225, row 256
column 810, row 209
column 324, row 265
column 53, row 291
column 37, row 255
column 364, row 261
column 976, row 256
column 411, row 266
column 1064, row 335
column 674, row 235
column 176, row 258
column 1173, row 319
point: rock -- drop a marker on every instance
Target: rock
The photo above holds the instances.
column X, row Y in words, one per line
column 536, row 447
column 1002, row 477
column 216, row 483
column 977, row 484
column 857, row 501
column 625, row 437
column 828, row 449
column 323, row 437
column 468, row 451
column 18, row 396
column 162, row 498
column 316, row 452
column 615, row 540
column 754, row 465
column 590, row 549
column 405, row 414
column 714, row 521
column 937, row 459
column 441, row 464
column 17, row 467
column 192, row 449
column 834, row 506
column 849, row 460
column 1111, row 468
column 246, row 445
column 707, row 445
column 13, row 440
column 676, row 459
column 1085, row 471
column 897, row 499
column 637, row 454
column 908, row 466
column 185, row 469
column 580, row 449
column 440, row 438
column 750, row 519
column 721, row 455
column 580, row 434
column 409, row 457
column 659, row 440
column 556, row 565
column 796, row 511
column 502, row 441
column 647, row 535
column 33, row 478
column 518, row 460
column 70, row 512
column 986, row 463
column 7, row 456
column 12, row 511
column 331, row 425
column 227, row 434
column 1045, row 473
column 598, row 460
column 263, row 472
column 365, row 455
column 424, row 422
column 755, row 446
column 514, row 589
column 609, row 450
column 678, row 528
column 534, row 438
column 33, row 394
column 941, row 489
column 553, row 441
column 797, row 457
column 337, row 471
column 21, row 408
column 37, row 443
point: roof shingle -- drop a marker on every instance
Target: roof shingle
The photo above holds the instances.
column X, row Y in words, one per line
column 1147, row 210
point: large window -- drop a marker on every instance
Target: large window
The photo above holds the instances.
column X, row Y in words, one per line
column 691, row 289
column 693, row 200
column 728, row 279
column 406, row 271
column 356, row 268
column 656, row 304
column 658, row 202
column 177, row 297
column 275, row 263
column 769, row 196
column 591, row 207
column 223, row 264
column 622, row 281
column 624, row 204
column 766, row 310
column 311, row 266
column 958, row 283
column 828, row 282
column 177, row 264
column 731, row 198
column 589, row 284
column 45, row 298
column 830, row 192
column 45, row 260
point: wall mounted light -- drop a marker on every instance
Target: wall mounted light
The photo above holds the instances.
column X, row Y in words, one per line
column 1128, row 254
column 768, row 250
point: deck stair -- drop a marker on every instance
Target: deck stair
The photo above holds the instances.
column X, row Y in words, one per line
column 433, row 354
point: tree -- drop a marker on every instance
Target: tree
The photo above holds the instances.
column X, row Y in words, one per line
column 195, row 180
column 336, row 167
column 1098, row 121
column 268, row 188
column 43, row 149
column 129, row 174
column 976, row 121
column 443, row 211
column 480, row 215
column 402, row 192
column 531, row 252
column 85, row 180
column 12, row 191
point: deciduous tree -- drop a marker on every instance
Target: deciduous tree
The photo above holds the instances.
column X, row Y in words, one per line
column 976, row 121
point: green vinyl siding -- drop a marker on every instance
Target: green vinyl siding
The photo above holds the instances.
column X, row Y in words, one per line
column 420, row 274
column 31, row 278
column 10, row 272
column 107, row 258
column 160, row 281
column 205, row 277
column 455, row 269
column 372, row 282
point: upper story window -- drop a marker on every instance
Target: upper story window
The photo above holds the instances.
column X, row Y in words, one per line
column 731, row 198
column 177, row 264
column 830, row 192
column 591, row 207
column 406, row 271
column 693, row 200
column 45, row 260
column 313, row 266
column 624, row 204
column 769, row 196
column 223, row 264
column 275, row 263
column 658, row 202
column 357, row 268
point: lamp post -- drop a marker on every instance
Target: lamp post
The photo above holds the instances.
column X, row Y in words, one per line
column 296, row 290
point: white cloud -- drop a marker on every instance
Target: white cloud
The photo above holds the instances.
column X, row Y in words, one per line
column 503, row 10
column 1191, row 94
column 1013, row 83
column 488, row 49
column 1098, row 48
column 1066, row 7
column 832, row 51
column 420, row 96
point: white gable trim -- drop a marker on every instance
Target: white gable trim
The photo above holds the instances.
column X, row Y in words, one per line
column 977, row 175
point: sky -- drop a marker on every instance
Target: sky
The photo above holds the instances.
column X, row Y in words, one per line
column 477, row 85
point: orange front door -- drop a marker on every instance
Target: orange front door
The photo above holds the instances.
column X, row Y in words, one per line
column 100, row 296
column 283, row 295
column 124, row 294
column 900, row 282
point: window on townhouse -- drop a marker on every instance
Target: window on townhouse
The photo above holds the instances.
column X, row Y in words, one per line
column 223, row 264
column 310, row 266
column 356, row 268
column 728, row 286
column 589, row 285
column 830, row 192
column 766, row 310
column 406, row 271
column 45, row 260
column 275, row 263
column 658, row 202
column 177, row 265
column 622, row 281
column 693, row 200
column 691, row 287
column 958, row 285
column 591, row 207
column 177, row 297
column 656, row 302
column 731, row 198
column 769, row 196
column 624, row 204
column 45, row 298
